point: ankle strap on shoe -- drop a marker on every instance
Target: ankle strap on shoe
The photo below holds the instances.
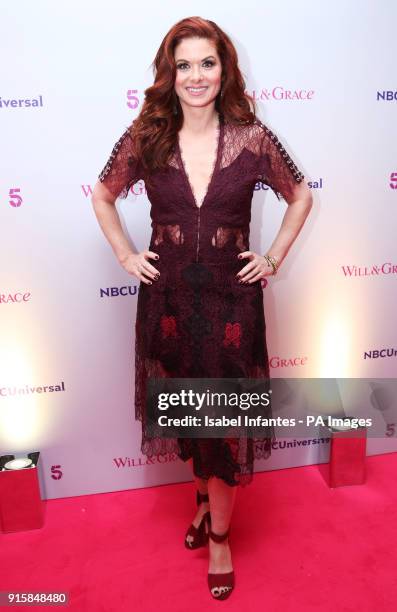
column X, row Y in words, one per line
column 201, row 497
column 218, row 537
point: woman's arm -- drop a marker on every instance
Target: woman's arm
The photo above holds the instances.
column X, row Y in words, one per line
column 280, row 173
column 299, row 206
column 103, row 202
column 299, row 202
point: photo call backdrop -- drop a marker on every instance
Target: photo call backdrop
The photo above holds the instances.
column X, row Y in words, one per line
column 73, row 76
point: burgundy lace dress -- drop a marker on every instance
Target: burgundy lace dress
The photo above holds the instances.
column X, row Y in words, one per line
column 197, row 320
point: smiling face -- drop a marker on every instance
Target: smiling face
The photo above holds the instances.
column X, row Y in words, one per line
column 198, row 72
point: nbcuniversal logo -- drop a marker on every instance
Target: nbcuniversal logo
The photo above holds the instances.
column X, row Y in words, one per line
column 28, row 389
column 387, row 95
column 111, row 292
column 380, row 353
column 21, row 103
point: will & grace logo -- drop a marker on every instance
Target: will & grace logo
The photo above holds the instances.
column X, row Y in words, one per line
column 15, row 298
column 374, row 270
column 137, row 189
column 133, row 462
column 281, row 93
column 287, row 362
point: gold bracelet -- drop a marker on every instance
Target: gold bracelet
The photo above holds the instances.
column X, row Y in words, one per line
column 273, row 262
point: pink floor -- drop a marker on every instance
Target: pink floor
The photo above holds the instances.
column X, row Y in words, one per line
column 296, row 544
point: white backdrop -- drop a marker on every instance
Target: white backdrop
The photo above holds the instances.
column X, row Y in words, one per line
column 72, row 78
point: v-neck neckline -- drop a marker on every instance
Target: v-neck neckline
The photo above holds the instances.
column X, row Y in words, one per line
column 214, row 167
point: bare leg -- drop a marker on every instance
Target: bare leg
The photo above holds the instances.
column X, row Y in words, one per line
column 201, row 485
column 222, row 498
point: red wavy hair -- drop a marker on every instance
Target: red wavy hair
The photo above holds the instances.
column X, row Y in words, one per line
column 154, row 131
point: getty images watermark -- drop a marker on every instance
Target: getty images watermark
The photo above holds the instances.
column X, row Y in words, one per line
column 236, row 407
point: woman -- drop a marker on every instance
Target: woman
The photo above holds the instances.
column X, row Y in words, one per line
column 200, row 149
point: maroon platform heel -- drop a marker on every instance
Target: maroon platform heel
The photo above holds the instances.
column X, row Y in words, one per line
column 220, row 585
column 197, row 536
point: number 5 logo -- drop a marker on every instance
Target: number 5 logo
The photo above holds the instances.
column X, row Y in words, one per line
column 15, row 199
column 56, row 472
column 133, row 100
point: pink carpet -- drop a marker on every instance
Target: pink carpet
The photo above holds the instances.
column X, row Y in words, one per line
column 296, row 544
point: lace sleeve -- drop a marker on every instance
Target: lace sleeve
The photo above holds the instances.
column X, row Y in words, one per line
column 122, row 169
column 277, row 169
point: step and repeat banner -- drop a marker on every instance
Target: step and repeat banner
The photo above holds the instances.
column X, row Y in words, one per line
column 72, row 79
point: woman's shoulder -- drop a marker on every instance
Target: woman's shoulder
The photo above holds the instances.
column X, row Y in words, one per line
column 126, row 144
column 250, row 134
column 259, row 138
column 252, row 128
